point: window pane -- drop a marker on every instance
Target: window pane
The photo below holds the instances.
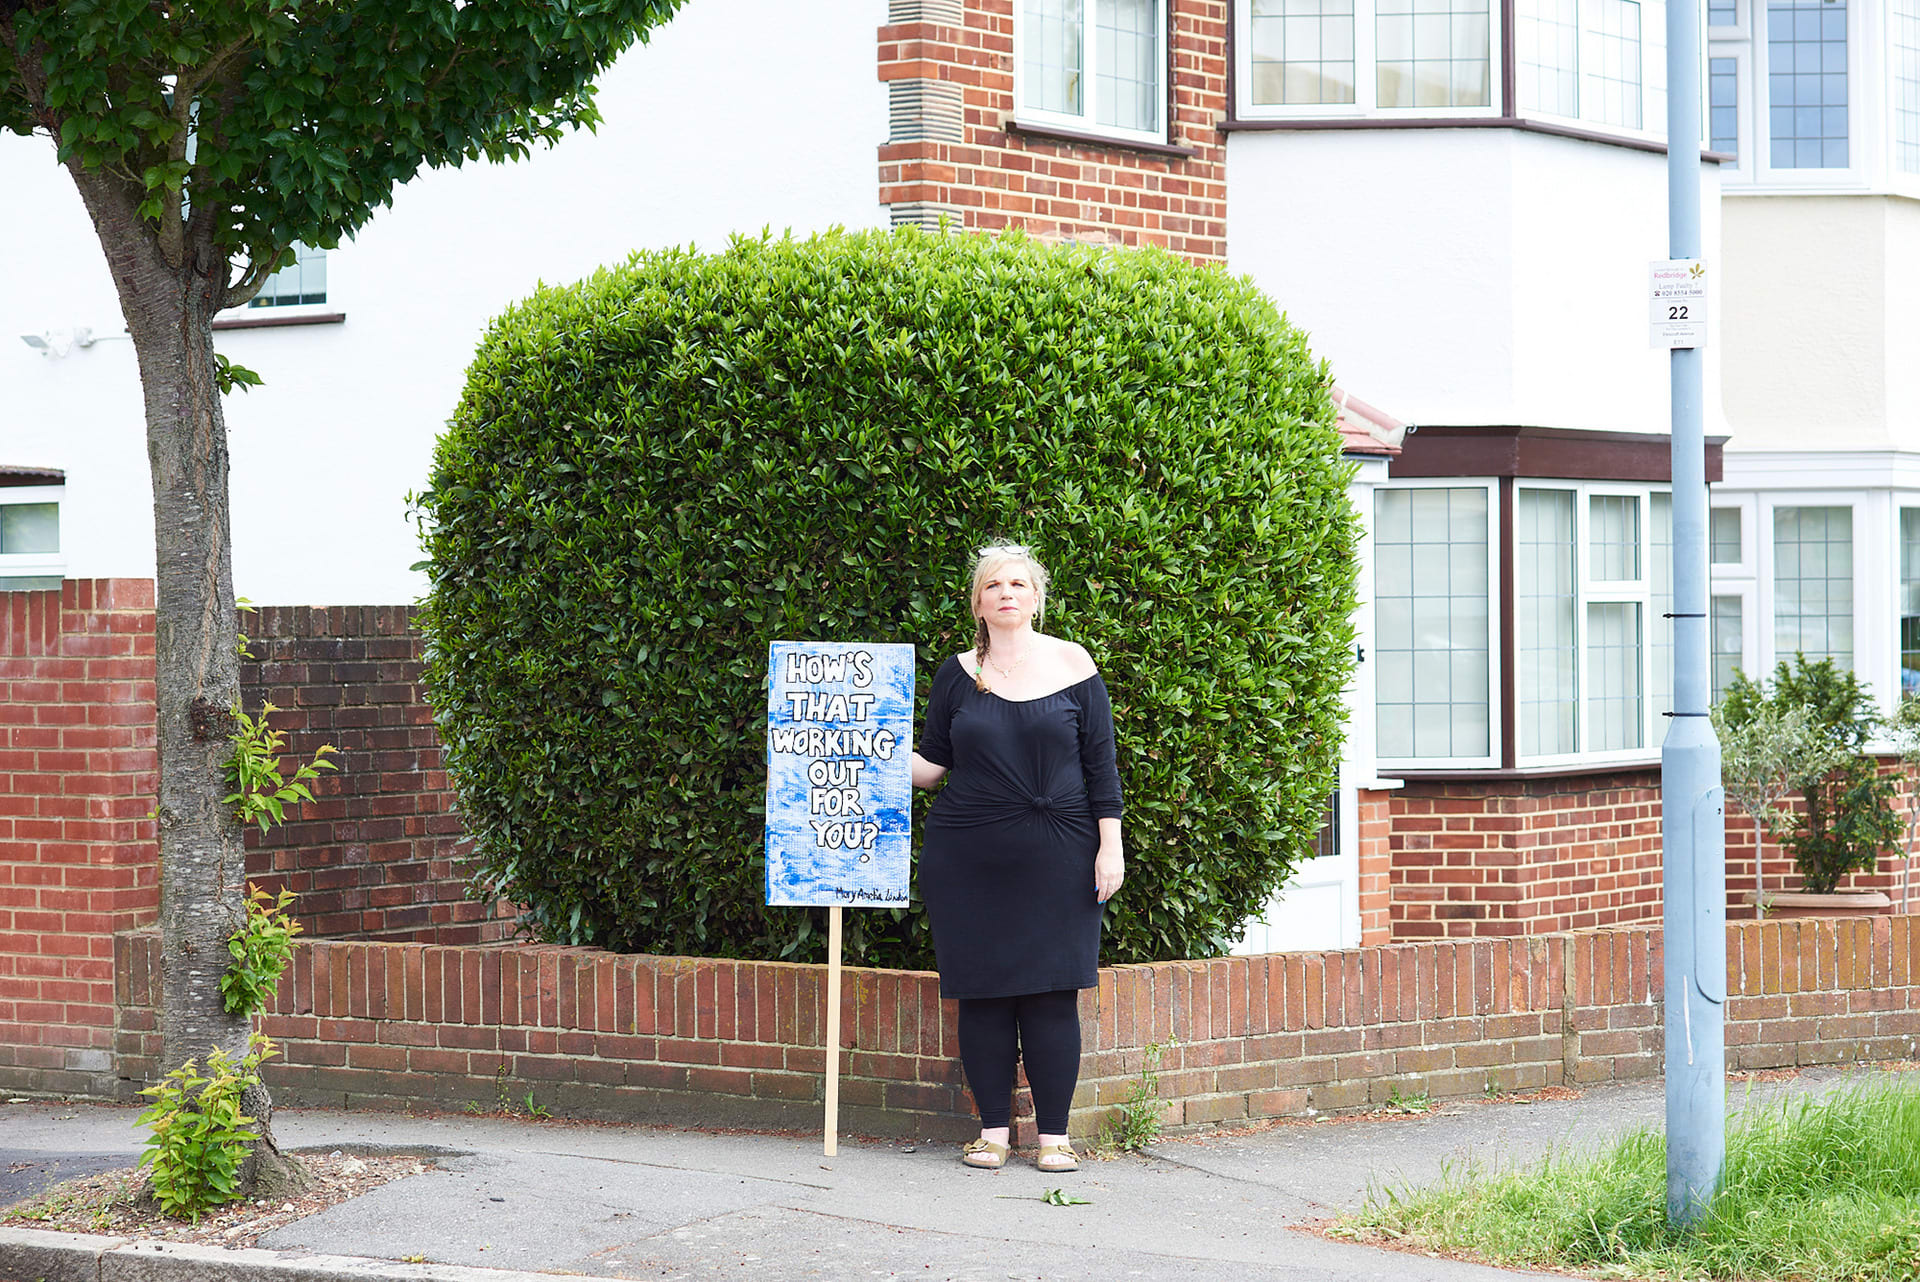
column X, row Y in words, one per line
column 1807, row 83
column 1433, row 53
column 1910, row 600
column 304, row 280
column 1720, row 13
column 1723, row 105
column 1723, row 536
column 1610, row 62
column 1302, row 51
column 1052, row 64
column 1615, row 718
column 29, row 527
column 1813, row 583
column 1660, row 603
column 1432, row 688
column 1547, row 36
column 1903, row 37
column 1613, row 538
column 1129, row 89
column 1546, row 685
column 1725, row 642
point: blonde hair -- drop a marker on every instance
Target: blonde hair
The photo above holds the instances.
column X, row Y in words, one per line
column 985, row 562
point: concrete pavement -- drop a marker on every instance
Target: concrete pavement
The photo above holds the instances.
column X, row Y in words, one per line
column 636, row 1202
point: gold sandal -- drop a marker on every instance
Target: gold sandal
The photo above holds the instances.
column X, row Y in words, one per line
column 1072, row 1162
column 985, row 1154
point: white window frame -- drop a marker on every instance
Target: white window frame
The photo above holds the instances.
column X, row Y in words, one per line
column 1366, row 89
column 1742, row 55
column 1868, row 134
column 1871, row 660
column 295, row 311
column 24, row 565
column 1497, row 532
column 1088, row 123
column 1746, row 591
column 1744, row 568
column 1591, row 591
column 1653, row 112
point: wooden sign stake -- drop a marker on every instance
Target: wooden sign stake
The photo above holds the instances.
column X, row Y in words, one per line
column 833, row 1030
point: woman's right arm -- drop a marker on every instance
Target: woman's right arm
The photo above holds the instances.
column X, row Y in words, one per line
column 934, row 735
column 925, row 773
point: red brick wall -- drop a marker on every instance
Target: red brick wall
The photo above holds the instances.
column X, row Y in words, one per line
column 1525, row 856
column 1243, row 1038
column 377, row 854
column 1375, row 849
column 990, row 177
column 78, row 772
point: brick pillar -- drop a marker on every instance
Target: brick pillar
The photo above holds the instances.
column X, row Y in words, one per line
column 79, row 858
column 1375, row 833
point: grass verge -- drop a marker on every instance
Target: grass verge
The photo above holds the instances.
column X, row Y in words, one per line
column 1815, row 1190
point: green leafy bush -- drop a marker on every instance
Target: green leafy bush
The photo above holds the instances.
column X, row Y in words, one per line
column 200, row 1137
column 654, row 473
column 1849, row 815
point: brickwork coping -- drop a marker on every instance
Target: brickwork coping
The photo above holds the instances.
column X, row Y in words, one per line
column 384, row 1025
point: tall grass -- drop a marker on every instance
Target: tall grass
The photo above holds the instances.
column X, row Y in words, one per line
column 1816, row 1190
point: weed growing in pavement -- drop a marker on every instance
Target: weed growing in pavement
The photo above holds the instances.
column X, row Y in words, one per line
column 1421, row 1102
column 1814, row 1190
column 1135, row 1123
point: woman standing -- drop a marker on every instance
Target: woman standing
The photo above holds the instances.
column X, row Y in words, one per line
column 1021, row 850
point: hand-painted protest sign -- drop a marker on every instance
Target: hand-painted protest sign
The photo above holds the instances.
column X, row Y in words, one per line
column 839, row 782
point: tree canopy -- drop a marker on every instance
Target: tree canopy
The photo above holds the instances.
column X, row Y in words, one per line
column 266, row 122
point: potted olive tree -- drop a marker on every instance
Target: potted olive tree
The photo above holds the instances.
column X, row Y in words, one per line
column 1847, row 817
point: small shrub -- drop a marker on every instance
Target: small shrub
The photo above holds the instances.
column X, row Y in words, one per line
column 200, row 1137
column 1850, row 816
column 656, row 472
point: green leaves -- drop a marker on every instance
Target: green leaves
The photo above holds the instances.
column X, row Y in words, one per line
column 261, row 793
column 261, row 950
column 655, row 472
column 304, row 117
column 199, row 1135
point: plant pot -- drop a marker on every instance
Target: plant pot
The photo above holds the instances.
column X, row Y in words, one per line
column 1799, row 903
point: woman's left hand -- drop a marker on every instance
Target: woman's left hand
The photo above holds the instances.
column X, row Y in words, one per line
column 1109, row 870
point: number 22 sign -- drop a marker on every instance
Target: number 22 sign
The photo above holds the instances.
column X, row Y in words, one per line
column 1677, row 289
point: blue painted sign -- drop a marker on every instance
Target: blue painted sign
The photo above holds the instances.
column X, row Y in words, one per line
column 839, row 779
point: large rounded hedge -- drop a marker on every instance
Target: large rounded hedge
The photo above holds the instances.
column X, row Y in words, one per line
column 655, row 472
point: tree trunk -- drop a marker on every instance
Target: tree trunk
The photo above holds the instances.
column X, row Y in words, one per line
column 169, row 311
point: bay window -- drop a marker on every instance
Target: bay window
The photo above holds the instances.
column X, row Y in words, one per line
column 1589, row 645
column 1096, row 66
column 1813, row 583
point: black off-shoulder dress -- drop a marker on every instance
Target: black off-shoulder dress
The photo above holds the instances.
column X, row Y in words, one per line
column 1006, row 858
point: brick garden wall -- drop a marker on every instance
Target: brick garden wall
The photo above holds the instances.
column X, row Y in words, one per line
column 376, row 855
column 78, row 768
column 948, row 65
column 367, row 1024
column 1525, row 856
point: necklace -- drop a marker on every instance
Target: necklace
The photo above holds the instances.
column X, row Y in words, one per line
column 1007, row 672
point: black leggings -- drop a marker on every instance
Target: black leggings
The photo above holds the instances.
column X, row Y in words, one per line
column 1048, row 1033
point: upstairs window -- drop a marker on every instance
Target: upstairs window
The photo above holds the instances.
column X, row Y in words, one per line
column 1094, row 66
column 1343, row 57
column 1602, row 62
column 301, row 282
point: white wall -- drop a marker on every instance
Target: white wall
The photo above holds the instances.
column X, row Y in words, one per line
column 1467, row 276
column 737, row 115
